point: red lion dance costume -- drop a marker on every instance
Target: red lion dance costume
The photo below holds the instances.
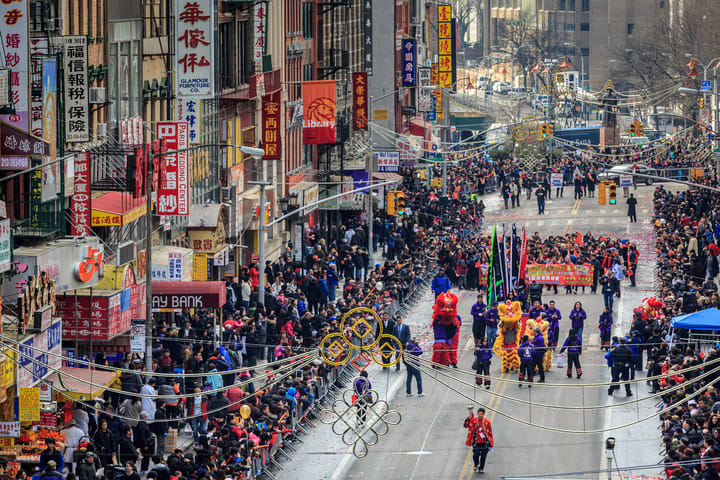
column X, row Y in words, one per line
column 446, row 327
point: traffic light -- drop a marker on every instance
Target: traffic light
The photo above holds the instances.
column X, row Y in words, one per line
column 637, row 129
column 400, row 203
column 612, row 194
column 601, row 193
column 702, row 103
column 390, row 202
column 544, row 129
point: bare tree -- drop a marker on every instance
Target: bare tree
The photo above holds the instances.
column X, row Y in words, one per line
column 464, row 13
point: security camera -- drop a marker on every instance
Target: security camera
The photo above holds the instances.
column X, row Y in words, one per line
column 255, row 152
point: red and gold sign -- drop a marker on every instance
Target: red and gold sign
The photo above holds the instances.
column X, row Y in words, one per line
column 445, row 46
column 560, row 274
column 360, row 101
column 271, row 126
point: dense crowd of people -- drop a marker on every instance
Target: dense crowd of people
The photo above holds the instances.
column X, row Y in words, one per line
column 438, row 238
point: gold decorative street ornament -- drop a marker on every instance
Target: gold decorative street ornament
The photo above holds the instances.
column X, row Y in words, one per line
column 360, row 421
column 362, row 331
column 528, row 130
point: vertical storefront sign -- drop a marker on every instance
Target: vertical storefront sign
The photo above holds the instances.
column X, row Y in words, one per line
column 368, row 38
column 194, row 48
column 189, row 110
column 445, row 46
column 424, row 95
column 408, row 63
column 16, row 51
column 80, row 207
column 36, row 104
column 173, row 187
column 319, row 112
column 50, row 173
column 175, row 266
column 360, row 100
column 29, row 407
column 77, row 118
column 260, row 30
column 271, row 126
column 5, row 245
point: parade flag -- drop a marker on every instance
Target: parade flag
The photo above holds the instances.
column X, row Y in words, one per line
column 522, row 274
column 319, row 112
column 504, row 266
column 494, row 263
column 579, row 239
column 514, row 261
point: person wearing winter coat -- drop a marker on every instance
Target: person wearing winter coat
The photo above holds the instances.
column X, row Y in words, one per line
column 539, row 352
column 86, row 468
column 483, row 356
column 573, row 345
column 525, row 352
column 412, row 350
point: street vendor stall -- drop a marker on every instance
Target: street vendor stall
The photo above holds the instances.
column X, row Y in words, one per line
column 80, row 383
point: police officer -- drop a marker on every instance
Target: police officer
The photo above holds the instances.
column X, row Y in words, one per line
column 622, row 360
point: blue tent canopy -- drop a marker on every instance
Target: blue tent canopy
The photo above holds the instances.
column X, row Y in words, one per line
column 703, row 320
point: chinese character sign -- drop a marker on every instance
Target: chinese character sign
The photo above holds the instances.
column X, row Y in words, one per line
column 271, row 126
column 408, row 63
column 173, row 197
column 175, row 266
column 259, row 30
column 445, row 46
column 319, row 112
column 188, row 110
column 80, row 208
column 16, row 51
column 360, row 100
column 387, row 161
column 194, row 48
column 424, row 95
column 77, row 118
column 368, row 38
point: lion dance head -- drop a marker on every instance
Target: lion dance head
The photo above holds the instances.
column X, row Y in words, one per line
column 445, row 308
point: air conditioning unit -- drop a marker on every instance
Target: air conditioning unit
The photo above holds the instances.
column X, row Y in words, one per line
column 102, row 130
column 96, row 95
column 126, row 253
column 54, row 24
column 414, row 20
column 226, row 194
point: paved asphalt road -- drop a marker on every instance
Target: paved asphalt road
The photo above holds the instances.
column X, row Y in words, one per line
column 430, row 441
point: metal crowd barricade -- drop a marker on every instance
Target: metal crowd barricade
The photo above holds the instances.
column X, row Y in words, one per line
column 684, row 173
column 266, row 458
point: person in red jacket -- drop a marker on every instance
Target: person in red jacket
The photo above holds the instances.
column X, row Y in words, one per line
column 480, row 437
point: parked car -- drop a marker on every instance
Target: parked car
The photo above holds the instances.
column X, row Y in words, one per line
column 540, row 102
column 518, row 91
column 613, row 175
column 503, row 88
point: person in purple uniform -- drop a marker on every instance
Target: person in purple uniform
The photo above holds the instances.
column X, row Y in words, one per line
column 483, row 355
column 573, row 345
column 491, row 323
column 605, row 324
column 362, row 396
column 577, row 319
column 478, row 314
column 553, row 318
column 525, row 352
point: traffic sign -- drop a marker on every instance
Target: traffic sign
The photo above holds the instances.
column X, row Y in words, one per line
column 705, row 86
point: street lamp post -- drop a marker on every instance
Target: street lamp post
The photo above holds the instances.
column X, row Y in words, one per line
column 582, row 74
column 257, row 154
column 716, row 102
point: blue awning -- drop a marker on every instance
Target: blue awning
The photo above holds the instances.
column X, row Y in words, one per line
column 703, row 320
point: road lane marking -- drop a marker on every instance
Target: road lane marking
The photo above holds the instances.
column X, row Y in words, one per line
column 499, row 385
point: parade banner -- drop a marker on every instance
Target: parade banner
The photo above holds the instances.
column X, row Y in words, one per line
column 319, row 112
column 555, row 274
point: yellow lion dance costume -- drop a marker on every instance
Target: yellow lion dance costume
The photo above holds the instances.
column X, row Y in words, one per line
column 545, row 331
column 510, row 327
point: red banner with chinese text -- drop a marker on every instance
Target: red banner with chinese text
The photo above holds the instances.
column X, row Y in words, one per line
column 319, row 112
column 271, row 126
column 80, row 209
column 560, row 274
column 360, row 101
